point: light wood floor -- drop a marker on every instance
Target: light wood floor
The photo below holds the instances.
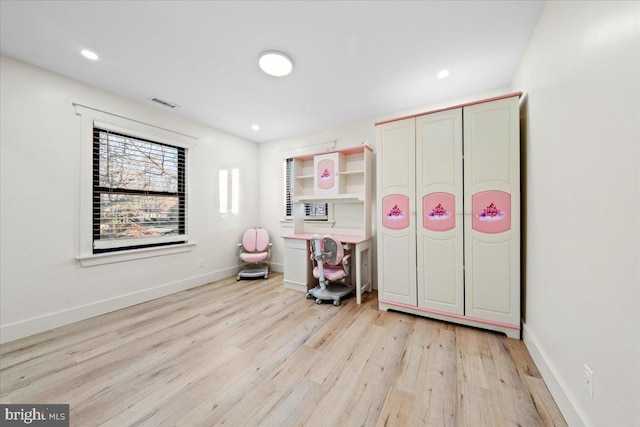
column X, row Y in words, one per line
column 254, row 353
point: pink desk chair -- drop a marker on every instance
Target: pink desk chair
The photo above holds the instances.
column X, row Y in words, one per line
column 331, row 269
column 255, row 249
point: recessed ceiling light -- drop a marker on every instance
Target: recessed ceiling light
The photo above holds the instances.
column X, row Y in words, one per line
column 443, row 74
column 275, row 63
column 89, row 55
column 255, row 127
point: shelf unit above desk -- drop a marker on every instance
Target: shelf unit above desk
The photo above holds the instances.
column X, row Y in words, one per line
column 337, row 177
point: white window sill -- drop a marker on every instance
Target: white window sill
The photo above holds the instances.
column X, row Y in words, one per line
column 130, row 255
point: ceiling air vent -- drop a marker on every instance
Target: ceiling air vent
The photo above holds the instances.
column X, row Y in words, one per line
column 163, row 102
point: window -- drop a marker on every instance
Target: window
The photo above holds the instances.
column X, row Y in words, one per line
column 139, row 193
column 312, row 211
column 229, row 191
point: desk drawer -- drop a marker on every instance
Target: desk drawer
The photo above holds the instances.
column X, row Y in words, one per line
column 295, row 244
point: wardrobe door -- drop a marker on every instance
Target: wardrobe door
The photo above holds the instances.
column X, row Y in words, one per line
column 396, row 212
column 492, row 211
column 439, row 207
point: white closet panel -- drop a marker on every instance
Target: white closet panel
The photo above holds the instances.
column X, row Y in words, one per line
column 439, row 207
column 396, row 222
column 492, row 208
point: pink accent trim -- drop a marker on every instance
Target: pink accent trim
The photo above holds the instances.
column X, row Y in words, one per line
column 468, row 104
column 456, row 316
column 439, row 211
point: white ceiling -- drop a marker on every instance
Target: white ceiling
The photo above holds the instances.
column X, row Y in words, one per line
column 352, row 59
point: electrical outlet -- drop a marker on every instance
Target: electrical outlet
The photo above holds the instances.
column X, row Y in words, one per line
column 588, row 381
column 200, row 262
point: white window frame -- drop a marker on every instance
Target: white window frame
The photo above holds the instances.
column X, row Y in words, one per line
column 311, row 218
column 90, row 117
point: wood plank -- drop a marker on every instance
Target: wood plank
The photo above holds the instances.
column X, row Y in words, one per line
column 545, row 406
column 398, row 410
column 255, row 353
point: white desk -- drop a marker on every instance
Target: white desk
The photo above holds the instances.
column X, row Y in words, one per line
column 298, row 268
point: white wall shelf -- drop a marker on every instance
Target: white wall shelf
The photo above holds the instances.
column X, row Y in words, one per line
column 351, row 182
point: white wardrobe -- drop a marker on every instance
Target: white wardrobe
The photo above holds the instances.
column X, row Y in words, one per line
column 448, row 223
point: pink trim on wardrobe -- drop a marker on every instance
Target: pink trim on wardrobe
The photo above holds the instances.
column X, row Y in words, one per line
column 482, row 101
column 457, row 316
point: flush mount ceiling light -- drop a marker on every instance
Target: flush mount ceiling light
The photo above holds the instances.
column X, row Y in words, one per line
column 275, row 63
column 255, row 127
column 443, row 74
column 89, row 55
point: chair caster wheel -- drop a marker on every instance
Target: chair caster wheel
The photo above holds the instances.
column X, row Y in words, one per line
column 336, row 303
column 309, row 296
column 318, row 301
column 266, row 276
column 237, row 279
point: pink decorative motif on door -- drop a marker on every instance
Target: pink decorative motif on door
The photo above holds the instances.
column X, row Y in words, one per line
column 438, row 211
column 395, row 212
column 326, row 176
column 491, row 211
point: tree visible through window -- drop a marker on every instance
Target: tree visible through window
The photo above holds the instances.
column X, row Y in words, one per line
column 139, row 194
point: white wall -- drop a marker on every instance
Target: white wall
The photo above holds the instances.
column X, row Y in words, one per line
column 581, row 122
column 42, row 284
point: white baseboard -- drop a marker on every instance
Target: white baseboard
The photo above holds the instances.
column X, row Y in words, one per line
column 25, row 328
column 276, row 267
column 559, row 390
